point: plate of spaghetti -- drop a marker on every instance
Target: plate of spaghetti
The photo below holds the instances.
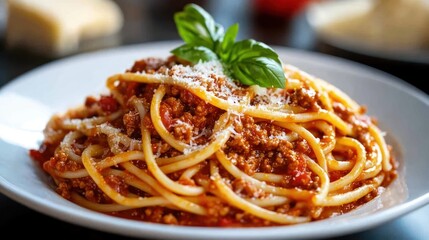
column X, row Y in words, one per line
column 145, row 142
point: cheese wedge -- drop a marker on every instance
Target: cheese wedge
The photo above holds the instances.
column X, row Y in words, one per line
column 57, row 27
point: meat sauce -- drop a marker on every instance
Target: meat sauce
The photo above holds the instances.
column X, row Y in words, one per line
column 252, row 149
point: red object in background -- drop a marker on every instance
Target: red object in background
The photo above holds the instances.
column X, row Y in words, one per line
column 280, row 8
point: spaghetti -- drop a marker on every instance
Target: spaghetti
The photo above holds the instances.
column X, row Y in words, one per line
column 180, row 144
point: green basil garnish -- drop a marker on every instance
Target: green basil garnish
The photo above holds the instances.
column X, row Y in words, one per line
column 248, row 61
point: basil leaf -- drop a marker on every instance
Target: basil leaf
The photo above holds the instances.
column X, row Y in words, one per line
column 228, row 41
column 248, row 61
column 253, row 62
column 197, row 27
column 250, row 48
column 265, row 72
column 194, row 54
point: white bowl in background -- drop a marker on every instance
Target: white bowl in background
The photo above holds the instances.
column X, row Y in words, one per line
column 320, row 14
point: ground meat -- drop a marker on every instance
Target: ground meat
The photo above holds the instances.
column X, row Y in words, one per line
column 305, row 98
column 60, row 162
column 183, row 128
column 176, row 106
column 147, row 65
column 170, row 219
column 108, row 104
column 255, row 148
column 243, row 187
column 154, row 214
column 147, row 122
column 349, row 116
column 302, row 146
column 131, row 122
column 117, row 183
column 83, row 186
column 186, row 116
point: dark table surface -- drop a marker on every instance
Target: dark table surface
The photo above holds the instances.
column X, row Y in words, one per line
column 148, row 21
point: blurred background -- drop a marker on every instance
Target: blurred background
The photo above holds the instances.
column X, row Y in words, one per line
column 390, row 35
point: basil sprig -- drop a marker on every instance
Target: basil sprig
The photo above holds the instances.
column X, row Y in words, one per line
column 249, row 61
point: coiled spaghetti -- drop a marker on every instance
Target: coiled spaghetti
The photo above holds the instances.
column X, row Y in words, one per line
column 180, row 144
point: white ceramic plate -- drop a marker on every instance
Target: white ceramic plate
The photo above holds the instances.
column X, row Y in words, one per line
column 322, row 13
column 27, row 103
